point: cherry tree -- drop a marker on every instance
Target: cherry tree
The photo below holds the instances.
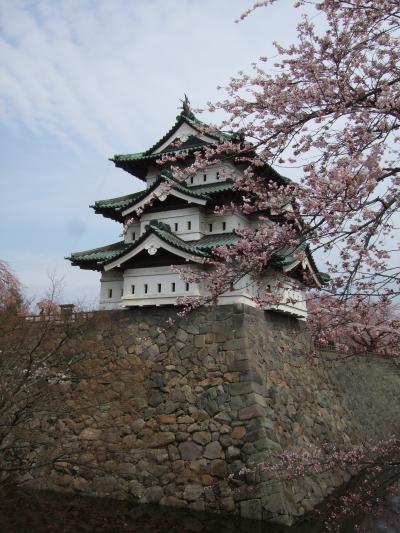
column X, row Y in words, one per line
column 355, row 328
column 327, row 106
column 11, row 297
column 48, row 307
column 37, row 359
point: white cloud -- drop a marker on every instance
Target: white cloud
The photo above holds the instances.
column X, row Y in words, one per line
column 98, row 71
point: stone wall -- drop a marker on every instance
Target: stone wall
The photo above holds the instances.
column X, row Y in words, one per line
column 160, row 416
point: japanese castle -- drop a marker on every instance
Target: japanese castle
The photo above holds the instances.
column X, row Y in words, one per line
column 174, row 223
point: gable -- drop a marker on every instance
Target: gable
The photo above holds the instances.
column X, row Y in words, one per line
column 152, row 243
column 162, row 258
column 161, row 195
column 184, row 132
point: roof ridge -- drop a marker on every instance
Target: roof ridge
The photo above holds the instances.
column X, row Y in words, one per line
column 101, row 248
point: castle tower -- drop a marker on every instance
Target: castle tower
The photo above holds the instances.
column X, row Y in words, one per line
column 171, row 223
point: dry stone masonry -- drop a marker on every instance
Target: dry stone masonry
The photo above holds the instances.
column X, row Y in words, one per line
column 160, row 417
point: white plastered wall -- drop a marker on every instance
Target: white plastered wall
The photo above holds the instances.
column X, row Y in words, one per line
column 163, row 287
column 213, row 174
column 111, row 281
column 243, row 291
column 198, row 218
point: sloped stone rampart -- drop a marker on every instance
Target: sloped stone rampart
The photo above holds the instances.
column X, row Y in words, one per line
column 160, row 417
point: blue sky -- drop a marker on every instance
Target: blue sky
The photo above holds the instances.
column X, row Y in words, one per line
column 81, row 80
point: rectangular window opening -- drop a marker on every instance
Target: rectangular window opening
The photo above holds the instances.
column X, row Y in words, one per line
column 159, row 287
column 133, row 289
column 217, row 175
column 210, row 228
column 133, row 235
column 176, row 226
column 173, row 287
column 187, row 286
column 122, row 292
column 204, row 177
column 189, row 225
column 146, row 287
column 223, row 226
column 110, row 293
column 191, row 180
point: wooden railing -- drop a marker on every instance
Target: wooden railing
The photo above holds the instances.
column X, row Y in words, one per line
column 60, row 317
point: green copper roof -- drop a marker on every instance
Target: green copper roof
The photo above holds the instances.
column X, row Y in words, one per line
column 211, row 188
column 92, row 259
column 98, row 257
column 135, row 163
column 118, row 203
column 114, row 207
column 140, row 156
column 213, row 241
column 175, row 241
column 188, row 117
column 287, row 258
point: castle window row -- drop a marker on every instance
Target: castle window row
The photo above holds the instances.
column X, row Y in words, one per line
column 159, row 290
column 205, row 177
column 211, row 227
column 186, row 226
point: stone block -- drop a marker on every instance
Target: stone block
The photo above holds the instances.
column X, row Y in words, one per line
column 223, row 417
column 241, row 387
column 90, row 434
column 251, row 509
column 159, row 439
column 199, row 341
column 201, row 437
column 181, row 335
column 232, row 452
column 253, row 411
column 213, row 450
column 167, row 419
column 219, row 469
column 232, row 377
column 209, row 338
column 172, row 501
column 238, row 432
column 193, row 492
column 190, row 450
column 152, row 495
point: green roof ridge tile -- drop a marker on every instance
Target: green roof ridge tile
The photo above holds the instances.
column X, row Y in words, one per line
column 101, row 253
column 116, row 202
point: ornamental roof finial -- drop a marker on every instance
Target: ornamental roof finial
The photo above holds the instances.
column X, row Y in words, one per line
column 186, row 109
